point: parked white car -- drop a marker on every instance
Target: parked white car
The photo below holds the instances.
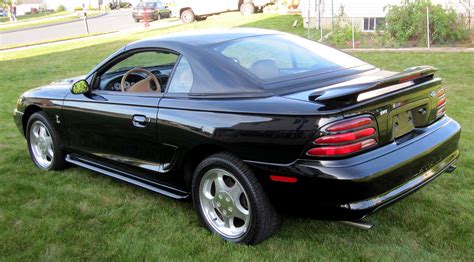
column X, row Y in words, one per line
column 190, row 10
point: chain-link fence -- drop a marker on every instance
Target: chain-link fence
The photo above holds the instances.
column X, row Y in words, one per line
column 429, row 26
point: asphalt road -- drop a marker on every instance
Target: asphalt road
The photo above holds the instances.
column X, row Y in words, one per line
column 112, row 21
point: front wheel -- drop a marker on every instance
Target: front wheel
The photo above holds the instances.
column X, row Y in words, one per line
column 230, row 201
column 43, row 143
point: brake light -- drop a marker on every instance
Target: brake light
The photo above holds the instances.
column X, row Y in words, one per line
column 408, row 78
column 441, row 104
column 345, row 138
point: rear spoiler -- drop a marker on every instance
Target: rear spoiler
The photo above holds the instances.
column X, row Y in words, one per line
column 358, row 92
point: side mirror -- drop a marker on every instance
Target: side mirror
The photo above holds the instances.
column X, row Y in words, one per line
column 80, row 87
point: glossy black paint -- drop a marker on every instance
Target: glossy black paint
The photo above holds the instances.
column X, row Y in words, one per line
column 271, row 131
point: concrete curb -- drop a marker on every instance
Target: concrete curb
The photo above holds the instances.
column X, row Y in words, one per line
column 48, row 25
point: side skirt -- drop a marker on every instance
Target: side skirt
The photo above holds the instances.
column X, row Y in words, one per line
column 129, row 178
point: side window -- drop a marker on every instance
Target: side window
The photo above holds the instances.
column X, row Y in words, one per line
column 183, row 78
column 144, row 60
column 148, row 65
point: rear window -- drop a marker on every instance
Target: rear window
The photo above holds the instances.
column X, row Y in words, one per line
column 146, row 4
column 270, row 57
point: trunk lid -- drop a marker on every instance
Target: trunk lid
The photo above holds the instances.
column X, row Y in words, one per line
column 400, row 102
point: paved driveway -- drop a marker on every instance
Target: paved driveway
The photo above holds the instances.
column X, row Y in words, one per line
column 113, row 21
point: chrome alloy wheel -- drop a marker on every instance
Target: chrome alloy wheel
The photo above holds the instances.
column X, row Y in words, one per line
column 41, row 144
column 224, row 203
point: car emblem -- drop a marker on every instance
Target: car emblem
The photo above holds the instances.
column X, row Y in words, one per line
column 433, row 93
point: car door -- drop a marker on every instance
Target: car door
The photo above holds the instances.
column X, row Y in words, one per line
column 119, row 128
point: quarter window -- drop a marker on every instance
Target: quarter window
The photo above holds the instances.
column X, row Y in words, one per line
column 183, row 78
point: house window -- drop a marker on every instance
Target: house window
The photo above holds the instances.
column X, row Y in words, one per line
column 373, row 23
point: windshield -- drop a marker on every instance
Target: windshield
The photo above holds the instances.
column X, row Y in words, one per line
column 279, row 56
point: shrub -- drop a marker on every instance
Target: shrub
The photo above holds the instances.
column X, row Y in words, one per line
column 342, row 33
column 60, row 8
column 407, row 23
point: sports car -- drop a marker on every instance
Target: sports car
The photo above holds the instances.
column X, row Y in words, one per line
column 247, row 124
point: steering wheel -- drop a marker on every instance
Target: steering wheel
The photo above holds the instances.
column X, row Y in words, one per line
column 142, row 85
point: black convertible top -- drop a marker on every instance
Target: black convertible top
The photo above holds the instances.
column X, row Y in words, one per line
column 203, row 38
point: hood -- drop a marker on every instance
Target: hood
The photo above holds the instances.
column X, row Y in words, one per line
column 68, row 81
column 56, row 90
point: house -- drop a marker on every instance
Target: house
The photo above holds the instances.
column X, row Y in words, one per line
column 367, row 14
column 28, row 6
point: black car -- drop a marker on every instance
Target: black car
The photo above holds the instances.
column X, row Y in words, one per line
column 246, row 122
column 150, row 10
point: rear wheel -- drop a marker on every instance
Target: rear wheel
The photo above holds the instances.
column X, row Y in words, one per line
column 247, row 8
column 187, row 16
column 43, row 143
column 230, row 201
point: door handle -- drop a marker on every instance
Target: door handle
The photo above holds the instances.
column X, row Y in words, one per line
column 139, row 121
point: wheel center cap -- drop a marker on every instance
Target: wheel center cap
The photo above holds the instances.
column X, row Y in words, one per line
column 225, row 203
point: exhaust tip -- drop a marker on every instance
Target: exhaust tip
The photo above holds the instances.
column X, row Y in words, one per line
column 360, row 224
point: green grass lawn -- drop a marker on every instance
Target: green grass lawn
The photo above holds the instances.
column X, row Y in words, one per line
column 77, row 214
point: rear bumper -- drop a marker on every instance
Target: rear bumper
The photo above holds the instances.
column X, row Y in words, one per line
column 141, row 16
column 352, row 188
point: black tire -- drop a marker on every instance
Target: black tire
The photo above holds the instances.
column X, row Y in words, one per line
column 137, row 20
column 187, row 16
column 247, row 9
column 264, row 219
column 58, row 160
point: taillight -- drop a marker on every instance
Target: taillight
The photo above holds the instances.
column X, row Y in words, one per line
column 345, row 138
column 441, row 104
column 350, row 124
